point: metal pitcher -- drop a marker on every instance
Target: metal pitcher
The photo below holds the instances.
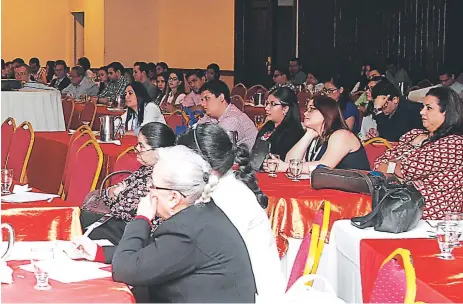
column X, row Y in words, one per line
column 258, row 98
column 10, row 241
column 108, row 127
column 119, row 103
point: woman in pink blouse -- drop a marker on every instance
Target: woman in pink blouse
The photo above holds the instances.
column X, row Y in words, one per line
column 433, row 158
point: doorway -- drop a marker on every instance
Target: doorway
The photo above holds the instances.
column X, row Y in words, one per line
column 78, row 35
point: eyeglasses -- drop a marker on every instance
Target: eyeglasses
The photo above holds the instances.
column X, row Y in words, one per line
column 271, row 104
column 329, row 91
column 153, row 187
column 137, row 149
column 173, row 79
column 445, row 80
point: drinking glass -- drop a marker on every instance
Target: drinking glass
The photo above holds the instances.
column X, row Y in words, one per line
column 272, row 164
column 7, row 180
column 40, row 258
column 295, row 169
column 457, row 218
column 446, row 237
column 257, row 120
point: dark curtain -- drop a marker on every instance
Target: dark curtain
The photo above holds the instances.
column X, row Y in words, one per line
column 343, row 35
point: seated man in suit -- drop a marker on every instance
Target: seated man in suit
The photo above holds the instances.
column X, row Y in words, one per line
column 62, row 80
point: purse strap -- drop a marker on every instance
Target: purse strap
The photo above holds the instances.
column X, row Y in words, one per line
column 111, row 175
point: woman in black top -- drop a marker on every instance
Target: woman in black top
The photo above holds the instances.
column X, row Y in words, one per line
column 103, row 78
column 327, row 141
column 283, row 128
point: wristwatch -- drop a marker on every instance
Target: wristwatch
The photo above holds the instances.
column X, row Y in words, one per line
column 376, row 111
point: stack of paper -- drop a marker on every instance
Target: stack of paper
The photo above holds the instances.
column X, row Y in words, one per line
column 25, row 197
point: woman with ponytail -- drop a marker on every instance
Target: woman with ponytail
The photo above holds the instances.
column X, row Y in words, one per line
column 240, row 198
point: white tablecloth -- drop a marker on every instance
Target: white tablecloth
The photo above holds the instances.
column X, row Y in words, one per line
column 42, row 108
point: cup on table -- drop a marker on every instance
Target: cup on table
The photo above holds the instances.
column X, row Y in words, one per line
column 272, row 164
column 40, row 257
column 295, row 169
column 457, row 218
column 7, row 180
column 446, row 238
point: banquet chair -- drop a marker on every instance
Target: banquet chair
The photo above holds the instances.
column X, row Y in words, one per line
column 303, row 97
column 127, row 160
column 254, row 90
column 238, row 101
column 424, row 84
column 86, row 169
column 305, row 257
column 322, row 218
column 20, row 150
column 8, row 127
column 176, row 119
column 88, row 114
column 394, row 283
column 68, row 111
column 375, row 147
column 74, row 144
column 240, row 90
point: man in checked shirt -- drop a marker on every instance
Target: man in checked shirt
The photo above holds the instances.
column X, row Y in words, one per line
column 116, row 86
column 215, row 98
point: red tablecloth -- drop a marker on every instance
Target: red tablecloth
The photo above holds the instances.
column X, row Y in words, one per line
column 93, row 291
column 100, row 111
column 292, row 206
column 48, row 157
column 437, row 281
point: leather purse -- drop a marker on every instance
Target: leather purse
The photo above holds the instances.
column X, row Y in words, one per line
column 259, row 151
column 93, row 202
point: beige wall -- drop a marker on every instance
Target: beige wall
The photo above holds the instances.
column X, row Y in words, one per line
column 94, row 40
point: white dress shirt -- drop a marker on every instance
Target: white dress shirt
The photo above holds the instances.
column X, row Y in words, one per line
column 240, row 205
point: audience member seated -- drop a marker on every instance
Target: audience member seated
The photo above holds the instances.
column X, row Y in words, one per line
column 9, row 70
column 432, row 158
column 124, row 197
column 196, row 79
column 213, row 72
column 4, row 71
column 80, row 84
column 140, row 109
column 447, row 79
column 23, row 74
column 245, row 208
column 38, row 73
column 151, row 66
column 215, row 97
column 327, row 140
column 394, row 115
column 196, row 255
column 116, row 86
column 61, row 81
column 85, row 63
column 334, row 88
column 140, row 74
column 161, row 84
column 297, row 76
column 397, row 75
column 103, row 79
column 175, row 92
column 50, row 69
column 161, row 67
column 17, row 62
column 281, row 78
column 311, row 84
column 365, row 105
column 283, row 128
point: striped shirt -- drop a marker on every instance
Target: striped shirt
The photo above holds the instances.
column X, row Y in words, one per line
column 235, row 120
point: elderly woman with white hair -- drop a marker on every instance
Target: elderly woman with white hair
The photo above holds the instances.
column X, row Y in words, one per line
column 196, row 255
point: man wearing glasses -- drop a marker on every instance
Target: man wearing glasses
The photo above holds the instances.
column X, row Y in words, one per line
column 298, row 77
column 447, row 79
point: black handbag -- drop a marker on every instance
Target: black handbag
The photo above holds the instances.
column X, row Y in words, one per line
column 398, row 209
column 259, row 151
column 93, row 202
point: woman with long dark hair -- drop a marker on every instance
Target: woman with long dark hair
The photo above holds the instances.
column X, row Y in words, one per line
column 140, row 109
column 103, row 78
column 327, row 140
column 283, row 128
column 175, row 92
column 85, row 63
column 50, row 69
column 161, row 84
column 240, row 198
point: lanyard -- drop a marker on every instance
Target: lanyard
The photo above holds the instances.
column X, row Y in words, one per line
column 312, row 151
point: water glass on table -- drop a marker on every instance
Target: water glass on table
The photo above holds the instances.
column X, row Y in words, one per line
column 457, row 218
column 7, row 180
column 446, row 238
column 40, row 258
column 272, row 164
column 295, row 169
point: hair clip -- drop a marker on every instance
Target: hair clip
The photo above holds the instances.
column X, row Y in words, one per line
column 206, row 177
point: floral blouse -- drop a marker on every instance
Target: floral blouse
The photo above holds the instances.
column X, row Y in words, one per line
column 437, row 165
column 124, row 206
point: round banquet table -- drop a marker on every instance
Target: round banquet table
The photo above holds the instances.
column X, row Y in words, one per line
column 92, row 291
column 292, row 206
column 42, row 108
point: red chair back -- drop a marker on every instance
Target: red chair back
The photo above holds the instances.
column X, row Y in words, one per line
column 373, row 152
column 85, row 172
column 68, row 111
column 127, row 160
column 240, row 90
column 254, row 90
column 88, row 114
column 8, row 127
column 303, row 97
column 238, row 101
column 174, row 120
column 20, row 150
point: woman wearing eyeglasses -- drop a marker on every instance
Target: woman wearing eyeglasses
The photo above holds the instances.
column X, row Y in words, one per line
column 175, row 92
column 123, row 198
column 283, row 128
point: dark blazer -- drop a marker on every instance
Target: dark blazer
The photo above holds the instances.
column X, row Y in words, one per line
column 196, row 256
column 283, row 138
column 62, row 85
